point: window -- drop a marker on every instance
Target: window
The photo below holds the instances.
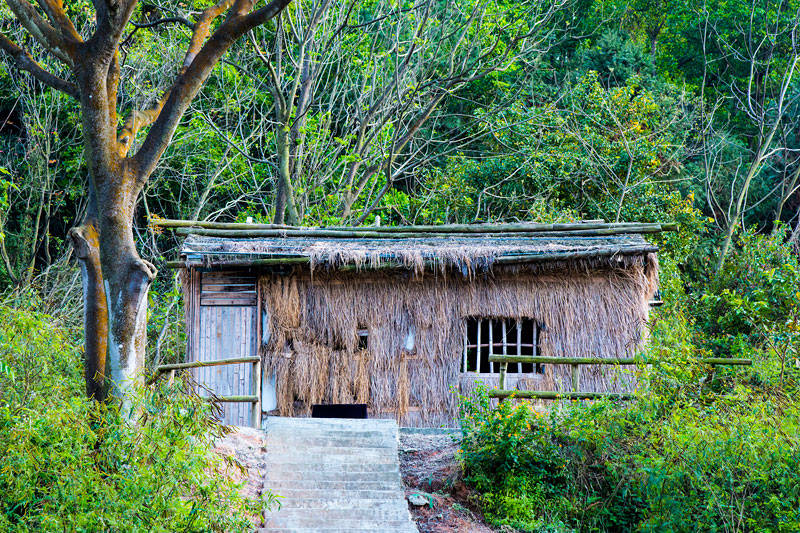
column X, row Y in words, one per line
column 500, row 336
column 363, row 338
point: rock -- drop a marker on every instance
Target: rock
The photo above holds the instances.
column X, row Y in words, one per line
column 418, row 499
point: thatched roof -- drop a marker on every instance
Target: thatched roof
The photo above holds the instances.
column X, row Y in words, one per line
column 466, row 252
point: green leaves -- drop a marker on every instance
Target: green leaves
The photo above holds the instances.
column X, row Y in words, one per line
column 70, row 464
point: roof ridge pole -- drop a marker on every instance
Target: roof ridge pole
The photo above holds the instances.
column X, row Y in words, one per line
column 442, row 228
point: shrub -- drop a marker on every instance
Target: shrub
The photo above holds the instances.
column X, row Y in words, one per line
column 70, row 464
column 757, row 290
column 710, row 455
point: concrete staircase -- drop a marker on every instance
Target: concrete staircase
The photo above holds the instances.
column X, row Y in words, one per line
column 335, row 476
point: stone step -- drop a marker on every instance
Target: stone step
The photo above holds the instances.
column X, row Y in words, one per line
column 387, row 527
column 332, row 441
column 377, row 506
column 343, row 460
column 312, row 449
column 309, row 515
column 337, row 429
column 352, row 476
column 378, row 495
column 310, row 469
column 354, row 424
column 279, row 486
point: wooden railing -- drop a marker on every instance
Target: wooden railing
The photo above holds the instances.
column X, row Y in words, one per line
column 575, row 363
column 172, row 368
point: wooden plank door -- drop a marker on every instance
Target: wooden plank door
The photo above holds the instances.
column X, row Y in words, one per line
column 227, row 328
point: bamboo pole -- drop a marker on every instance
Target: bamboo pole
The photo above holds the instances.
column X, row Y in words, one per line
column 272, row 261
column 506, row 259
column 576, row 378
column 556, row 395
column 441, row 228
column 197, row 364
column 235, row 399
column 545, row 359
column 372, row 234
column 578, row 254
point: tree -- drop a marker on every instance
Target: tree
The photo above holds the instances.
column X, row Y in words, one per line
column 344, row 132
column 115, row 278
column 764, row 103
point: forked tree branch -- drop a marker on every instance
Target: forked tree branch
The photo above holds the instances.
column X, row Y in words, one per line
column 24, row 61
column 201, row 30
column 55, row 12
column 42, row 31
column 139, row 119
column 201, row 57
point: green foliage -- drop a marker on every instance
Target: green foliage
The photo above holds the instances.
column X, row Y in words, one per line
column 696, row 461
column 70, row 464
column 756, row 296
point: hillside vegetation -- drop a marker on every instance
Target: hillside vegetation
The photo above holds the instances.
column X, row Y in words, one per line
column 456, row 111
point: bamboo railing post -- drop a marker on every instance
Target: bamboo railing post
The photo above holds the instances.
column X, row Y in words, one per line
column 519, row 344
column 504, row 366
column 576, row 376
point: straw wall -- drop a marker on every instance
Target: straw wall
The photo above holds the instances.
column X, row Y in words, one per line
column 311, row 340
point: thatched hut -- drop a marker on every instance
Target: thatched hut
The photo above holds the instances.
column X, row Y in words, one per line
column 398, row 318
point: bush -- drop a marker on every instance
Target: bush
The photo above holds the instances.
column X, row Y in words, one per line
column 693, row 452
column 757, row 291
column 70, row 464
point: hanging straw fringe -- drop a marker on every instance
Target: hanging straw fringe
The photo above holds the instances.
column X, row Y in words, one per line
column 587, row 309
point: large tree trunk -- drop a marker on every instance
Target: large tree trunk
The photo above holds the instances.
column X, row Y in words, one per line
column 126, row 280
column 285, row 209
column 115, row 285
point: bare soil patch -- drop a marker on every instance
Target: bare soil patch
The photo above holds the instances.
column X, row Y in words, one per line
column 428, row 465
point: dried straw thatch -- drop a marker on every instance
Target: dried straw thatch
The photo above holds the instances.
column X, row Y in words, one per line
column 466, row 253
column 594, row 307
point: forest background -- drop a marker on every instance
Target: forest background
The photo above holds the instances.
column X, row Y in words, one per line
column 448, row 111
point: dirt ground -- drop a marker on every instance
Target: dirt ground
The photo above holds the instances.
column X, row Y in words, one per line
column 428, row 465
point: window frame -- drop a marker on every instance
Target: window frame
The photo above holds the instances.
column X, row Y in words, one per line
column 505, row 346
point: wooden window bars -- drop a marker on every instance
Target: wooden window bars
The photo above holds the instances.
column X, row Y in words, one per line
column 485, row 337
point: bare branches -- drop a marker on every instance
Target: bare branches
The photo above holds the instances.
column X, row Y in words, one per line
column 167, row 20
column 24, row 61
column 200, row 59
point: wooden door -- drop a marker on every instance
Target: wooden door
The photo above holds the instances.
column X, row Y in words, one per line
column 227, row 328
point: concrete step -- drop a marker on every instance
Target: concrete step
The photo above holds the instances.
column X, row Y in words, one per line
column 297, row 424
column 388, row 527
column 333, row 440
column 379, row 495
column 280, row 486
column 373, row 506
column 343, row 461
column 334, row 475
column 312, row 451
column 309, row 515
column 311, row 468
column 275, row 474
